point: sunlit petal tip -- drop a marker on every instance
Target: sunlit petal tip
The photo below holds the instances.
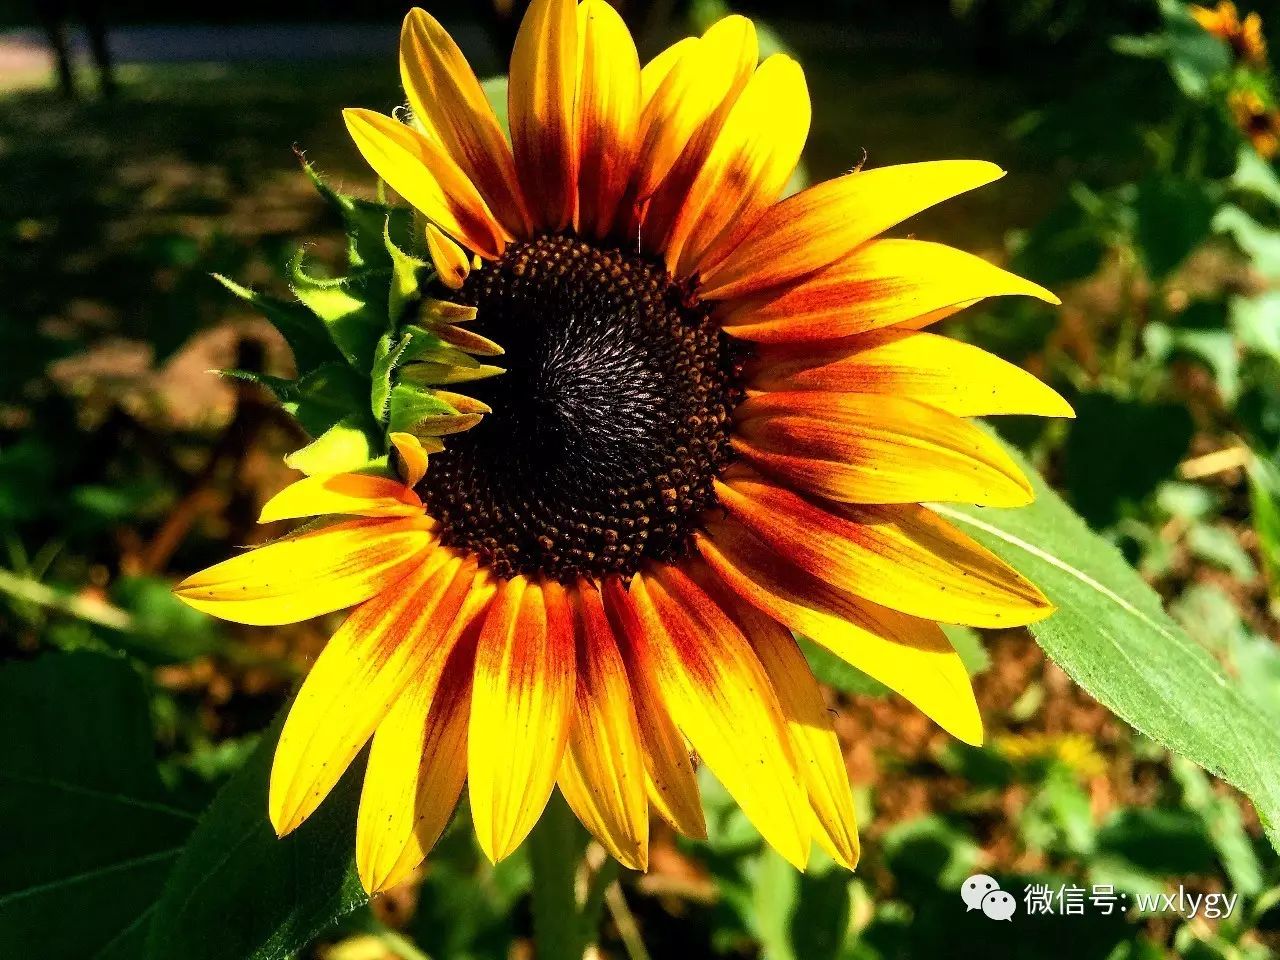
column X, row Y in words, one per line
column 818, row 226
column 520, row 711
column 602, row 776
column 309, row 574
column 384, row 648
column 722, row 700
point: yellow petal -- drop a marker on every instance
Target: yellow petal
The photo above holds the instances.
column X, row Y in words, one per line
column 413, row 457
column 345, row 493
column 311, row 573
column 820, row 225
column 381, row 647
column 544, row 74
column 452, row 264
column 901, row 556
column 909, row 655
column 418, row 763
column 747, row 167
column 421, row 172
column 879, row 284
column 813, row 739
column 520, row 709
column 608, row 110
column 726, row 57
column 721, row 699
column 947, row 374
column 602, row 776
column 859, row 448
column 670, row 781
column 449, row 102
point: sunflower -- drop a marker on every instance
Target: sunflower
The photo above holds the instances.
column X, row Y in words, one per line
column 717, row 422
column 1257, row 121
column 1244, row 37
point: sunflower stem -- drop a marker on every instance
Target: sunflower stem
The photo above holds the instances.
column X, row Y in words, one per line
column 556, row 847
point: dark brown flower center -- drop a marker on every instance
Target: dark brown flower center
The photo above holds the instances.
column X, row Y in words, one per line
column 608, row 427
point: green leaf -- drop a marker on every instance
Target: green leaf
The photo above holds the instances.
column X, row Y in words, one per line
column 1066, row 245
column 794, row 915
column 1224, row 825
column 326, row 395
column 1196, row 58
column 406, row 272
column 1253, row 321
column 1255, row 175
column 466, row 905
column 1112, row 637
column 495, row 91
column 306, row 335
column 1058, row 817
column 1221, row 547
column 1118, row 451
column 78, row 785
column 163, row 629
column 1158, row 841
column 1216, row 349
column 834, row 672
column 1261, row 244
column 1264, row 499
column 240, row 893
column 1172, row 218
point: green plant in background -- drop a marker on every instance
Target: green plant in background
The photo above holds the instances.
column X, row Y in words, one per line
column 1170, row 347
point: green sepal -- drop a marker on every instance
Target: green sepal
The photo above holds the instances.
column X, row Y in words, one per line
column 345, row 447
column 284, row 390
column 385, row 359
column 412, row 409
column 406, row 277
column 432, row 374
column 352, row 349
column 349, row 307
column 306, row 334
column 425, row 346
column 366, row 222
column 325, row 396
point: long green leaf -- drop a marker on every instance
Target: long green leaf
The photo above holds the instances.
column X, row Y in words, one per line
column 1112, row 637
column 90, row 831
column 240, row 893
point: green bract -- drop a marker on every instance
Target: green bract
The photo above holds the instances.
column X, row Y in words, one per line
column 374, row 348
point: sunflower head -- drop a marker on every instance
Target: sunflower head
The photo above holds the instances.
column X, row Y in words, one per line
column 1257, row 121
column 1245, row 36
column 714, row 424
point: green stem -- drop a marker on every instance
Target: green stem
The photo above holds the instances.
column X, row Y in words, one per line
column 625, row 921
column 95, row 612
column 555, row 851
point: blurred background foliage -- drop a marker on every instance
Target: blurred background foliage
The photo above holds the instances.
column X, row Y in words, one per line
column 1141, row 137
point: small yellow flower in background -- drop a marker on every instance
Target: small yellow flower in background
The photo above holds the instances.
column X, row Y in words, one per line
column 1257, row 121
column 1244, row 36
column 719, row 418
column 1073, row 750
